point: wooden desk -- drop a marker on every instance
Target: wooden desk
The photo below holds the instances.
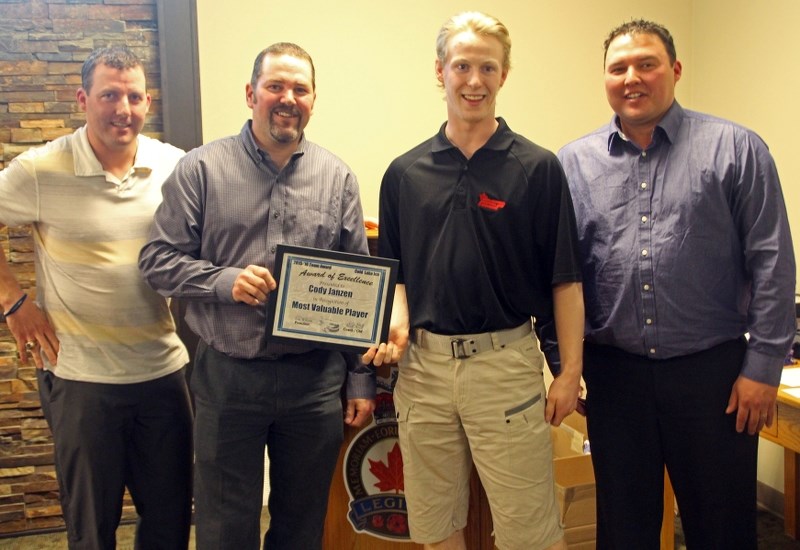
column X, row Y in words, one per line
column 668, row 519
column 785, row 431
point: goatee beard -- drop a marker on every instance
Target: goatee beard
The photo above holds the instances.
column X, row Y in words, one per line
column 283, row 135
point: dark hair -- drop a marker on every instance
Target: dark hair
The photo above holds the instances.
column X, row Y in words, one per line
column 642, row 26
column 118, row 57
column 281, row 48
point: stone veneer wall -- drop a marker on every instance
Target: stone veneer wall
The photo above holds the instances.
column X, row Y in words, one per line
column 42, row 46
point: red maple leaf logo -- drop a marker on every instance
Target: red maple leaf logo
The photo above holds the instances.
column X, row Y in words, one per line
column 390, row 478
column 488, row 203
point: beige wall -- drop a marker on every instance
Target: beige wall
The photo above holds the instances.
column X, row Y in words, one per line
column 376, row 92
column 377, row 96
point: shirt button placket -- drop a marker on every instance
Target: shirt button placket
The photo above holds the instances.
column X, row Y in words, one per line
column 646, row 252
column 275, row 230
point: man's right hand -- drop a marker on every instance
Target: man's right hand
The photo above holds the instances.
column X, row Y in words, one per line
column 30, row 324
column 253, row 285
column 393, row 350
column 388, row 352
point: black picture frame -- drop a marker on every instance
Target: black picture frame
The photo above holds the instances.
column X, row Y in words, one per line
column 334, row 300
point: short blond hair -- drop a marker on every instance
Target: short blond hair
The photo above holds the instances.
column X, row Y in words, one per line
column 480, row 24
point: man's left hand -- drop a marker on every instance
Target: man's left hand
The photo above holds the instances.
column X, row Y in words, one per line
column 358, row 412
column 754, row 403
column 562, row 399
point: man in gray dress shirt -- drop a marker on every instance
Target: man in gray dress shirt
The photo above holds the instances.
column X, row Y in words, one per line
column 685, row 246
column 226, row 208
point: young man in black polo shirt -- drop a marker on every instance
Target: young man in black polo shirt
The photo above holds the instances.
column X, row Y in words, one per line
column 482, row 223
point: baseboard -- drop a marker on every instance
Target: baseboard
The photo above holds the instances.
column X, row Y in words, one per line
column 769, row 498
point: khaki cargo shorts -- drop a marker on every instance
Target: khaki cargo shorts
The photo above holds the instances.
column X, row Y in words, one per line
column 487, row 408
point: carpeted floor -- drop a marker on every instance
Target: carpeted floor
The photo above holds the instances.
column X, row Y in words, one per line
column 770, row 537
column 770, row 534
column 58, row 540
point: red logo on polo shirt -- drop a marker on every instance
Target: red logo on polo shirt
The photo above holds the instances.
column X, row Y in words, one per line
column 490, row 204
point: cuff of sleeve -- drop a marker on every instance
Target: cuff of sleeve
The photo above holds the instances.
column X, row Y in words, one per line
column 553, row 358
column 762, row 368
column 360, row 385
column 223, row 286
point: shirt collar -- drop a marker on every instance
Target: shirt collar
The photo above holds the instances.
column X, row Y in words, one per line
column 668, row 126
column 255, row 151
column 501, row 140
column 86, row 164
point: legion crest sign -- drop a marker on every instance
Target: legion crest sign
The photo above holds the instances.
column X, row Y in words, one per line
column 373, row 472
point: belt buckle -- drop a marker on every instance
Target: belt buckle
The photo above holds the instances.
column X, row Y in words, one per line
column 457, row 347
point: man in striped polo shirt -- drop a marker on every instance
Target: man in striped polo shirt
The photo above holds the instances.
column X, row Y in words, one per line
column 109, row 361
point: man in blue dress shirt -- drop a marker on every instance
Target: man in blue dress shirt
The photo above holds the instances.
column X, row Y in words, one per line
column 685, row 247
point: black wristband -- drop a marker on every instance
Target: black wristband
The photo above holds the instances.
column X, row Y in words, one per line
column 16, row 306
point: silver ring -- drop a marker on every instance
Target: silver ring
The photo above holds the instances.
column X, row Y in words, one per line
column 30, row 345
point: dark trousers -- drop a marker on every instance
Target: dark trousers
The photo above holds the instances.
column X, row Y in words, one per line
column 644, row 414
column 291, row 405
column 111, row 436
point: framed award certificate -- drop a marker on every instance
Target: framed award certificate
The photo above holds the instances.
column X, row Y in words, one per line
column 331, row 299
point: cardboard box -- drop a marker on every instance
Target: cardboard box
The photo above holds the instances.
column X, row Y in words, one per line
column 574, row 479
column 580, row 535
